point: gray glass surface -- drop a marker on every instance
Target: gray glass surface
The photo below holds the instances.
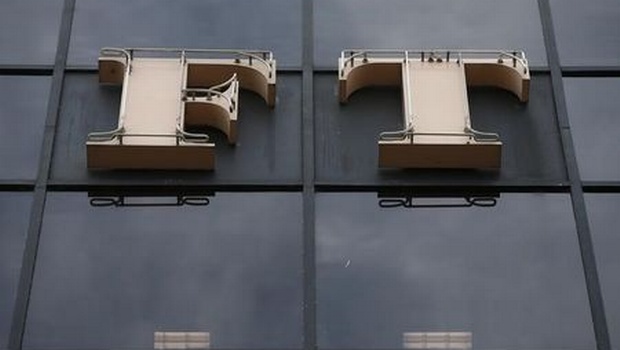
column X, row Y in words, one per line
column 268, row 148
column 213, row 24
column 593, row 107
column 23, row 109
column 29, row 31
column 14, row 214
column 108, row 277
column 604, row 224
column 346, row 136
column 510, row 274
column 587, row 32
column 399, row 24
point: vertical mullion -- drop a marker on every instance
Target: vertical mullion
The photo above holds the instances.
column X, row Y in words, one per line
column 29, row 257
column 584, row 236
column 309, row 307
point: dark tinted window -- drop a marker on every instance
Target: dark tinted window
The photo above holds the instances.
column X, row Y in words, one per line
column 268, row 149
column 23, row 109
column 108, row 277
column 14, row 215
column 587, row 32
column 29, row 31
column 237, row 24
column 400, row 24
column 593, row 107
column 604, row 223
column 346, row 136
column 510, row 274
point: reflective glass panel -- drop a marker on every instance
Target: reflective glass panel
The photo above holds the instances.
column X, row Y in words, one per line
column 604, row 223
column 14, row 215
column 507, row 270
column 23, row 109
column 593, row 107
column 29, row 31
column 426, row 24
column 587, row 32
column 232, row 24
column 110, row 275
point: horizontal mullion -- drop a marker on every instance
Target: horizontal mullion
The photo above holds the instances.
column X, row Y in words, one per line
column 32, row 70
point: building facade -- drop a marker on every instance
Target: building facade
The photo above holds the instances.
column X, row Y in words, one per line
column 298, row 240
